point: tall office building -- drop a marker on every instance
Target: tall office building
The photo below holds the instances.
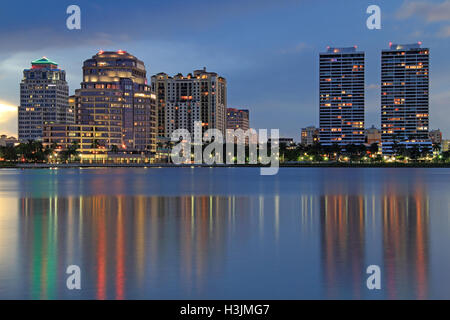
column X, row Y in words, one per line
column 43, row 99
column 342, row 96
column 184, row 100
column 405, row 96
column 238, row 119
column 115, row 97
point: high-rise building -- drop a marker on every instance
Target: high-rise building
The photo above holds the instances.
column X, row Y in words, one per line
column 309, row 136
column 116, row 97
column 238, row 119
column 43, row 99
column 342, row 96
column 184, row 100
column 405, row 96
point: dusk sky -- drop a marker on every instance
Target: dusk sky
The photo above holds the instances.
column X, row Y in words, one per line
column 267, row 50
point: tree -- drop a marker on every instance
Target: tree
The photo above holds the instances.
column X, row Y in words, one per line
column 445, row 156
column 94, row 145
column 72, row 151
column 335, row 151
column 373, row 149
column 437, row 147
column 32, row 151
column 114, row 149
column 414, row 152
column 8, row 153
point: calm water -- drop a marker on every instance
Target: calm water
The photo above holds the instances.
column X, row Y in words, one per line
column 225, row 233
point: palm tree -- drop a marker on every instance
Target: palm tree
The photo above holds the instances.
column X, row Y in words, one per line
column 437, row 147
column 114, row 149
column 72, row 151
column 94, row 145
column 169, row 145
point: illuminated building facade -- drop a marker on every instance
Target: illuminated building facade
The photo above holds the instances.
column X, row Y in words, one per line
column 43, row 99
column 238, row 119
column 63, row 135
column 184, row 100
column 405, row 96
column 342, row 96
column 115, row 97
column 309, row 136
column 445, row 145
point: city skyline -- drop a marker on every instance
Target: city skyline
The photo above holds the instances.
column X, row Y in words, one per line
column 291, row 58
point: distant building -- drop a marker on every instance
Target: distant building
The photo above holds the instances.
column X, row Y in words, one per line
column 6, row 141
column 445, row 145
column 114, row 108
column 238, row 119
column 436, row 136
column 373, row 135
column 341, row 91
column 116, row 97
column 286, row 142
column 309, row 136
column 405, row 96
column 184, row 100
column 43, row 99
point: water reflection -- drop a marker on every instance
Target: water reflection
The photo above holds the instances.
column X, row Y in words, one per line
column 313, row 240
column 406, row 242
column 118, row 239
column 343, row 243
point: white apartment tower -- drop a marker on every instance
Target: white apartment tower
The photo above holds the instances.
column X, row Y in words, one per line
column 405, row 76
column 342, row 96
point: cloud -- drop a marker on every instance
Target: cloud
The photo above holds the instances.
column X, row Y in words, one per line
column 429, row 12
column 8, row 119
column 444, row 32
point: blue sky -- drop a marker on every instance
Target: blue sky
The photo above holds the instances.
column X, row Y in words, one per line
column 267, row 50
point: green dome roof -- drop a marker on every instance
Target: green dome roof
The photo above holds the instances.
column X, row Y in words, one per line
column 44, row 60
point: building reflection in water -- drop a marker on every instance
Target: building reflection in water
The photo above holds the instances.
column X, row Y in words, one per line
column 405, row 242
column 177, row 247
column 345, row 222
column 343, row 243
column 122, row 243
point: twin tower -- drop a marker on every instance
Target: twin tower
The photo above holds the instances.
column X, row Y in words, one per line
column 404, row 96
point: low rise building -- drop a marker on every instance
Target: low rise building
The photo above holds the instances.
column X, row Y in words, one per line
column 310, row 136
column 436, row 136
column 373, row 135
column 6, row 141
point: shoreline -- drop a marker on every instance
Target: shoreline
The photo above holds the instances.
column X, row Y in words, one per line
column 284, row 165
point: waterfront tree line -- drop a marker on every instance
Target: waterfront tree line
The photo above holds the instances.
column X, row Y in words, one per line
column 35, row 152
